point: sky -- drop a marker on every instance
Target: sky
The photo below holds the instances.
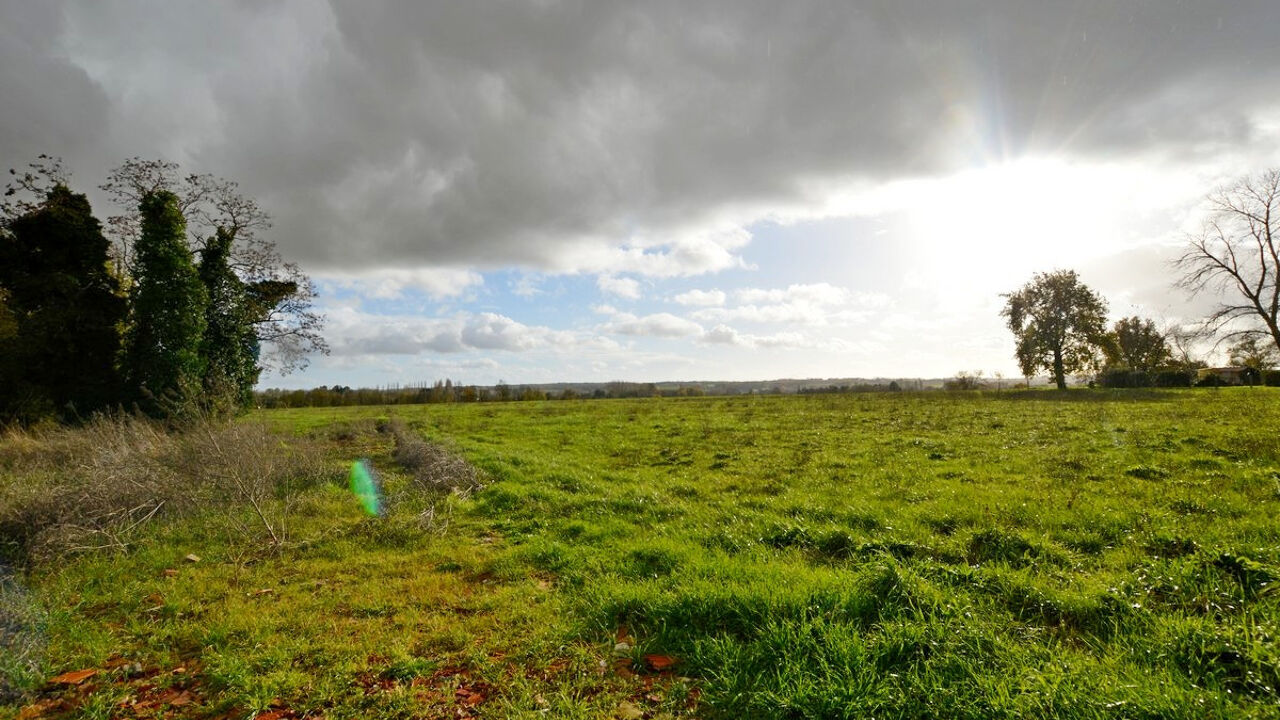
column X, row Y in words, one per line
column 590, row 191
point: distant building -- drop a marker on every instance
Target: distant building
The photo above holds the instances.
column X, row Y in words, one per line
column 1230, row 375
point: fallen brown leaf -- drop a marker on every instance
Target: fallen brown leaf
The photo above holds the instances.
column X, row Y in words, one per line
column 467, row 696
column 660, row 662
column 178, row 699
column 75, row 677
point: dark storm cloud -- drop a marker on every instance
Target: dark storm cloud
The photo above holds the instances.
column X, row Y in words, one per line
column 47, row 104
column 550, row 134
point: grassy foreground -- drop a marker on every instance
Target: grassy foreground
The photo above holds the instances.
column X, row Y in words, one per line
column 941, row 555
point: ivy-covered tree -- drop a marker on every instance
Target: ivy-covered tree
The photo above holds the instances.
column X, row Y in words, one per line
column 162, row 358
column 229, row 346
column 65, row 307
column 285, row 322
column 1059, row 324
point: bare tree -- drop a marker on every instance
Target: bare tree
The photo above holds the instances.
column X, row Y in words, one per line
column 1238, row 257
column 207, row 203
column 1183, row 342
column 28, row 189
column 286, row 321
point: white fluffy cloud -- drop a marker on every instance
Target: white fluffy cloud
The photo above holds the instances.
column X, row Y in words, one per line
column 812, row 294
column 623, row 287
column 701, row 298
column 352, row 332
column 725, row 335
column 656, row 325
column 390, row 283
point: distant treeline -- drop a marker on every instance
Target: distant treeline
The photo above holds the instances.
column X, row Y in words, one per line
column 446, row 391
column 891, row 386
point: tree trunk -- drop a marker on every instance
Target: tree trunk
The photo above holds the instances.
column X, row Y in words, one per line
column 1058, row 375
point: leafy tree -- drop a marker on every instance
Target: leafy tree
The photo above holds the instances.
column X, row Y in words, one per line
column 1059, row 324
column 63, row 304
column 1253, row 351
column 162, row 355
column 1237, row 255
column 229, row 347
column 284, row 321
column 1137, row 344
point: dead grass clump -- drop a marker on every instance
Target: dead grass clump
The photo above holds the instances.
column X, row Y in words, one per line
column 433, row 468
column 352, row 430
column 92, row 488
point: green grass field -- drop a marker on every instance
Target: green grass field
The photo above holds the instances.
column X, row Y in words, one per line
column 963, row 555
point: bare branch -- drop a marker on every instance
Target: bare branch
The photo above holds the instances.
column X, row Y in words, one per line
column 27, row 189
column 1236, row 256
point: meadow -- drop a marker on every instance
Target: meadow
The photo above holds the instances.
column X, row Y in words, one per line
column 1088, row 554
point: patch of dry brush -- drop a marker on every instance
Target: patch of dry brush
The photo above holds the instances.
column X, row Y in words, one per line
column 431, row 467
column 68, row 490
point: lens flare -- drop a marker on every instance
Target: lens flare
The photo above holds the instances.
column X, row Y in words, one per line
column 365, row 486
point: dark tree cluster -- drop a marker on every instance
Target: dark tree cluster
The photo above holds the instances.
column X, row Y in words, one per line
column 166, row 320
column 59, row 327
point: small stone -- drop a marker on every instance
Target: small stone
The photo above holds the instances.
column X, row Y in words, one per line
column 621, row 649
column 192, row 558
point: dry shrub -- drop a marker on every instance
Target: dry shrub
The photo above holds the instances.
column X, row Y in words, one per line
column 247, row 465
column 91, row 488
column 433, row 468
